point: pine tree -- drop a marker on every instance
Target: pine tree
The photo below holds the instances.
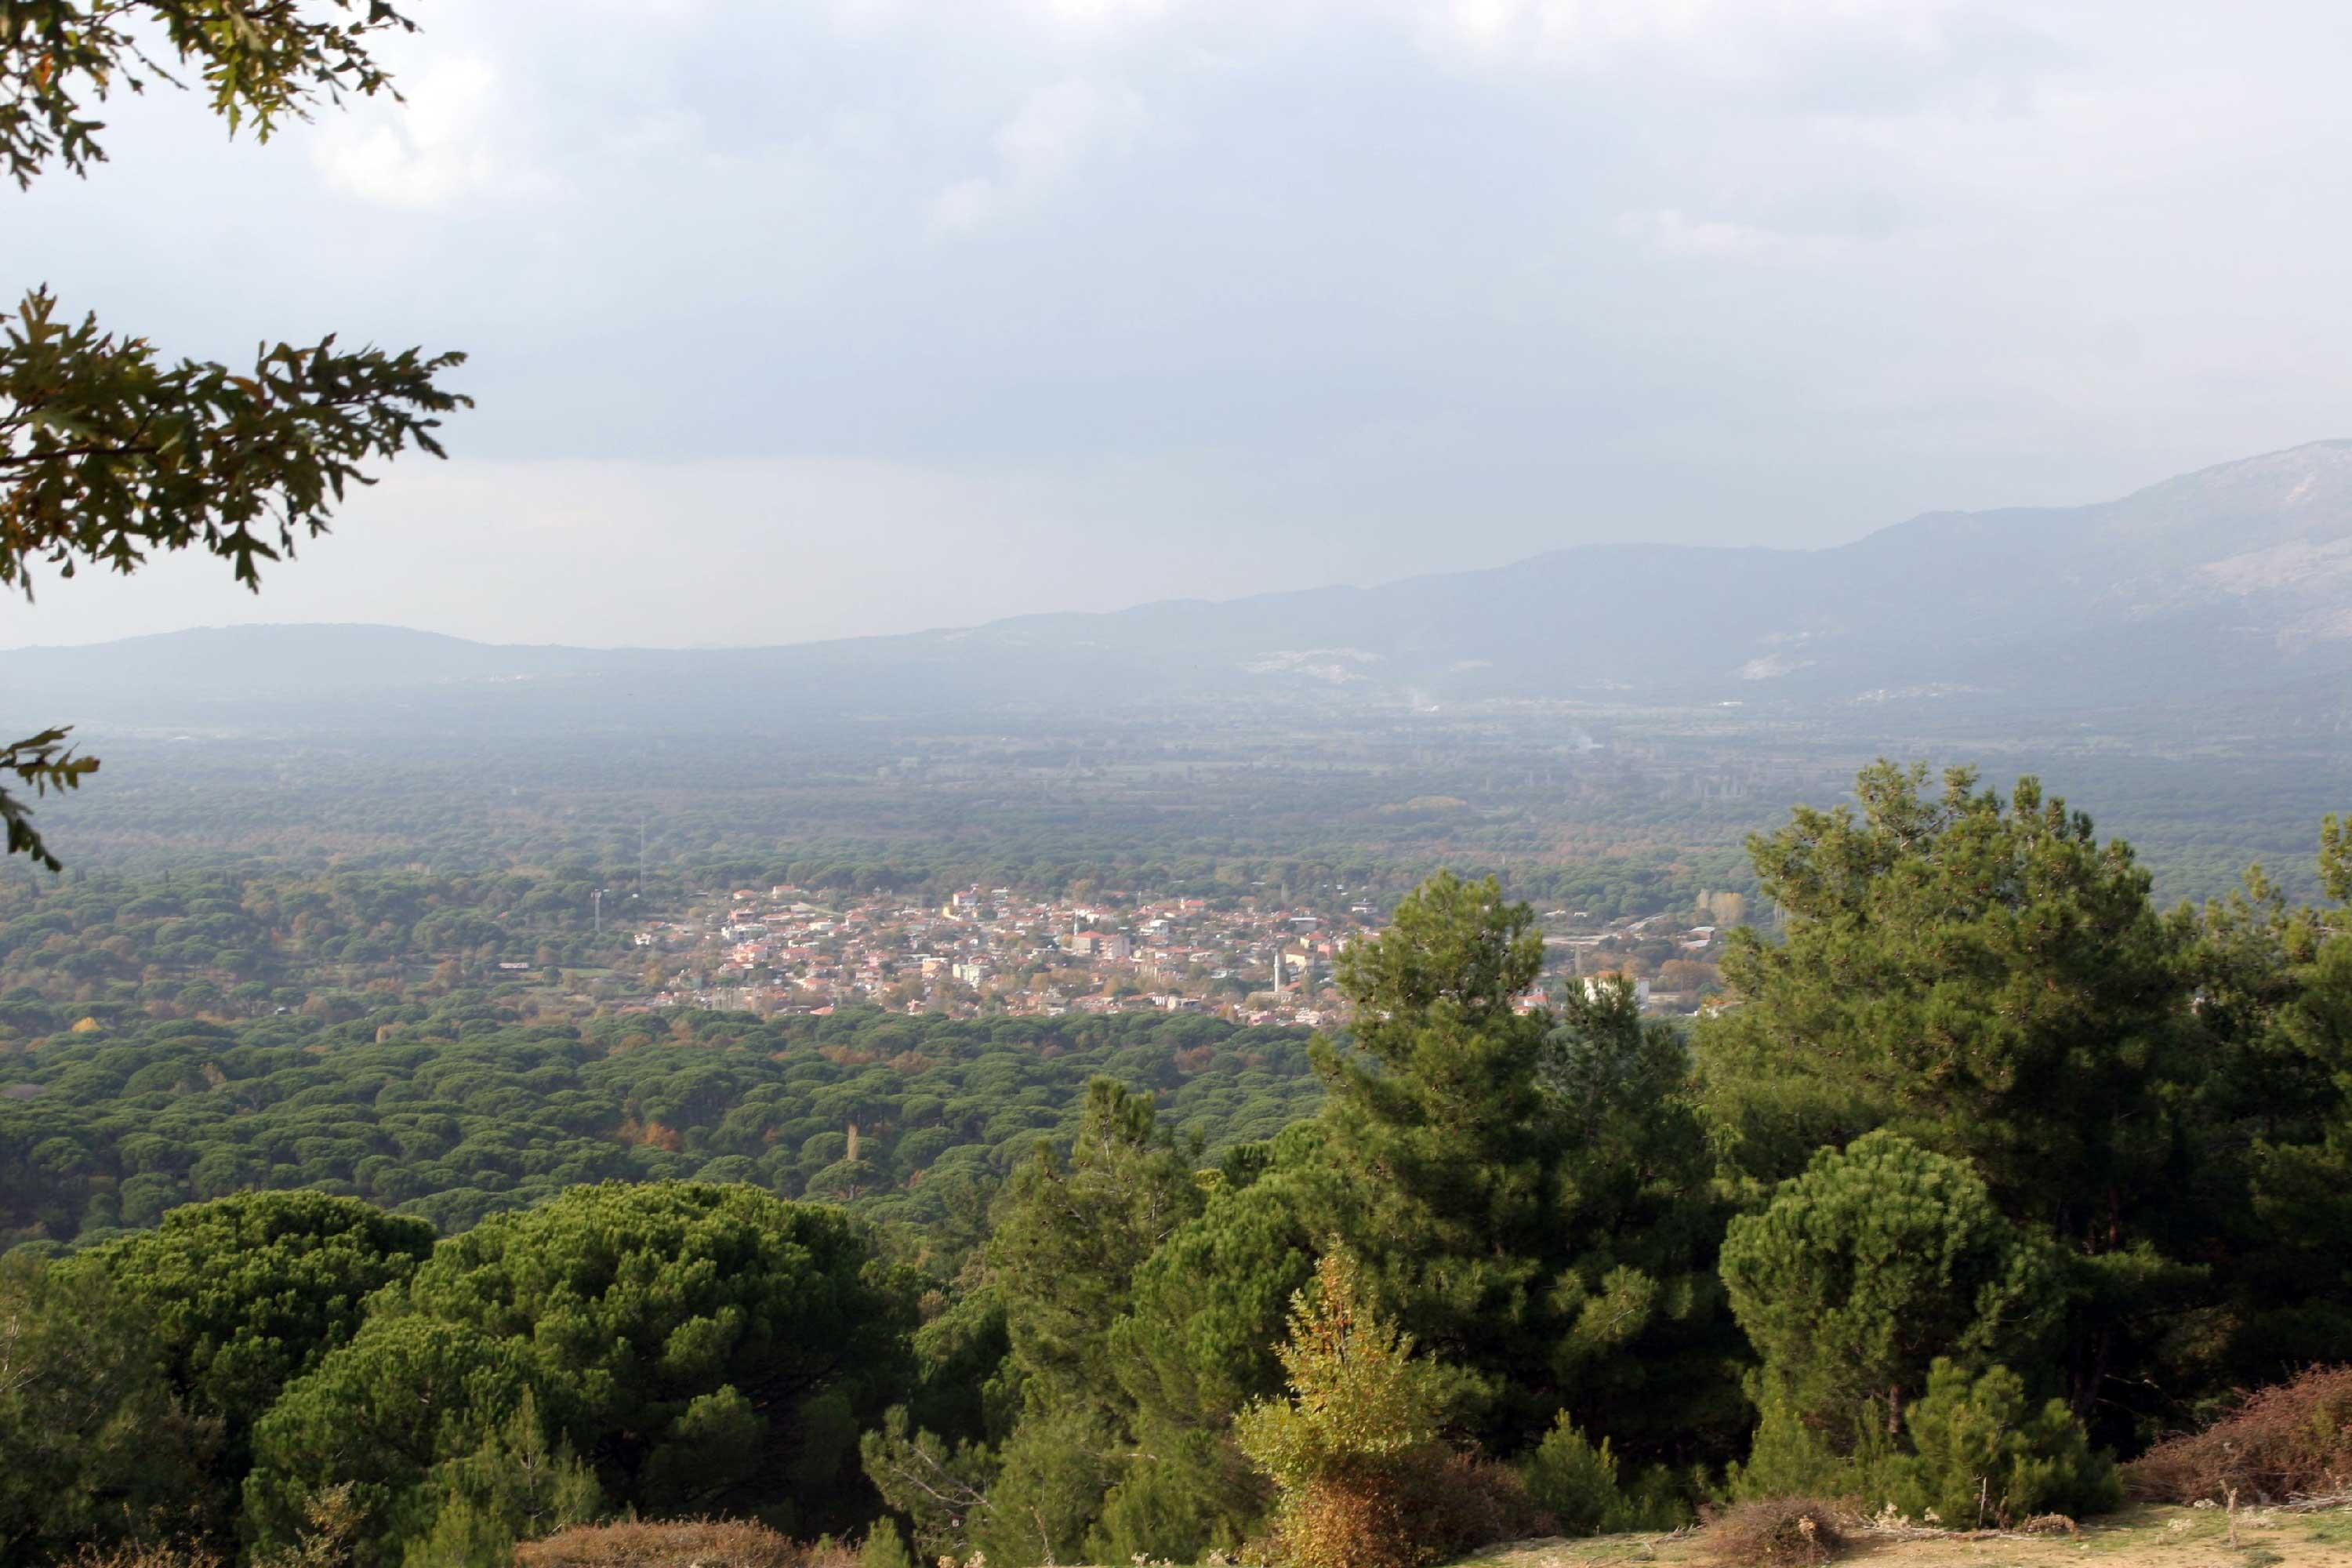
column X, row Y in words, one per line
column 1436, row 1122
column 1881, row 1260
column 1987, row 978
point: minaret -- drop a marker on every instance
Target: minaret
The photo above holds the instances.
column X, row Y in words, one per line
column 1278, row 970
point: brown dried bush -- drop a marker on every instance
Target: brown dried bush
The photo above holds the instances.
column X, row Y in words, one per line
column 1349, row 1523
column 1430, row 1506
column 2290, row 1439
column 675, row 1543
column 149, row 1556
column 1776, row 1532
column 1465, row 1501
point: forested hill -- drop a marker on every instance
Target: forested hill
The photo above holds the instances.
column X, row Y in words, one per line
column 2232, row 584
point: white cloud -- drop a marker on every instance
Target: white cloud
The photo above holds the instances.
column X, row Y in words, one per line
column 1672, row 232
column 435, row 148
column 1724, row 38
column 1056, row 129
column 1484, row 276
column 1098, row 13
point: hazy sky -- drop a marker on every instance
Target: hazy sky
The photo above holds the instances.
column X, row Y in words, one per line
column 798, row 319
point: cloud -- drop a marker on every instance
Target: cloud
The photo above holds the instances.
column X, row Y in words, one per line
column 1828, row 56
column 1056, row 129
column 1371, row 286
column 1670, row 231
column 437, row 148
column 1098, row 13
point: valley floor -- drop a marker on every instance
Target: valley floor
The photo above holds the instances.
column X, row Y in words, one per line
column 2156, row 1537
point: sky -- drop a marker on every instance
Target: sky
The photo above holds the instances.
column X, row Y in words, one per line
column 806, row 319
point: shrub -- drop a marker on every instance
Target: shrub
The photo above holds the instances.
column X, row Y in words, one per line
column 1357, row 1439
column 2294, row 1438
column 1776, row 1532
column 1464, row 1501
column 885, row 1547
column 1572, row 1480
column 1980, row 1454
column 1581, row 1488
column 1348, row 1522
column 674, row 1543
column 150, row 1555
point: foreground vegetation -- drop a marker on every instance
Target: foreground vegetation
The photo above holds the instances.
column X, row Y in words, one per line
column 1993, row 1179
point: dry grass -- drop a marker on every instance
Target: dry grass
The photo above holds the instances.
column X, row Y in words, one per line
column 2137, row 1538
column 2292, row 1439
column 676, row 1544
column 2141, row 1536
column 1776, row 1532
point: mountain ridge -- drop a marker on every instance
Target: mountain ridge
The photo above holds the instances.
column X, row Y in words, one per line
column 2234, row 577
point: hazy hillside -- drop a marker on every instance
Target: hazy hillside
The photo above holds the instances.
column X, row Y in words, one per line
column 2233, row 580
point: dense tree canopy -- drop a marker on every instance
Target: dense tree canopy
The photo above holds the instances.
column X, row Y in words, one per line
column 702, row 1349
column 246, row 1294
column 457, row 1114
column 92, row 1444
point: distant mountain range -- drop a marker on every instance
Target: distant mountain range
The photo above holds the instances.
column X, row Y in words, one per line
column 2232, row 583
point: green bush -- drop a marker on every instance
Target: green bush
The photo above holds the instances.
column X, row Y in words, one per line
column 1582, row 1488
column 885, row 1547
column 1981, row 1455
column 1574, row 1481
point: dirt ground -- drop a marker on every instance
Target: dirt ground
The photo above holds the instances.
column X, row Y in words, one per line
column 2157, row 1537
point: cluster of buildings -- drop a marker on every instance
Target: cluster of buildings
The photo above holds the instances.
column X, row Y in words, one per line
column 994, row 950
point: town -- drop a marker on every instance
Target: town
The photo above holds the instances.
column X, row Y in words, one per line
column 995, row 950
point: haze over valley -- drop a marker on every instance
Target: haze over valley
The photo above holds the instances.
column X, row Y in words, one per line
column 2182, row 656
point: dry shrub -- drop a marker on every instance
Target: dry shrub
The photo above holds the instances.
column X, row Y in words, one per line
column 149, row 1556
column 674, row 1543
column 1461, row 1501
column 1435, row 1504
column 1776, row 1532
column 2050, row 1524
column 1349, row 1523
column 2290, row 1439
